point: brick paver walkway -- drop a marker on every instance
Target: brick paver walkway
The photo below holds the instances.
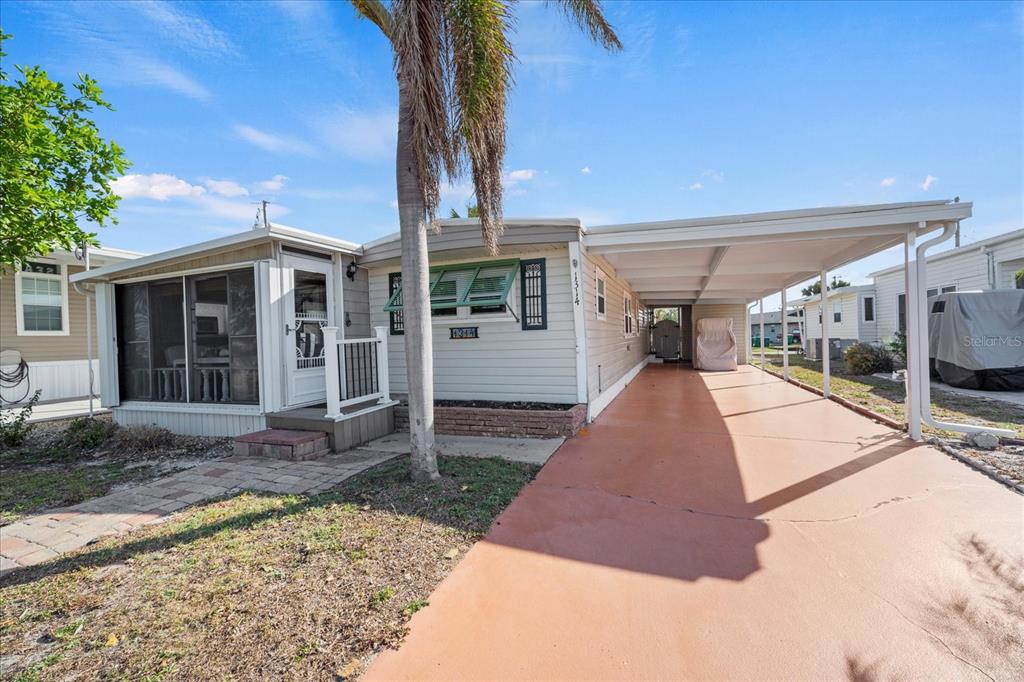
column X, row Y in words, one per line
column 45, row 536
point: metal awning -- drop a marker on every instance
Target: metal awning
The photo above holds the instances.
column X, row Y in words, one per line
column 466, row 284
column 742, row 258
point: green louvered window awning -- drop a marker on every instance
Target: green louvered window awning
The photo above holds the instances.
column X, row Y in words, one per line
column 466, row 284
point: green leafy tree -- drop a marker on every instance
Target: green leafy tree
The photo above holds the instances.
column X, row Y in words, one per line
column 816, row 287
column 453, row 65
column 55, row 167
column 471, row 212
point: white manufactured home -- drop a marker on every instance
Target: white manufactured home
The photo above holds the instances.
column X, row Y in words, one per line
column 873, row 313
column 281, row 327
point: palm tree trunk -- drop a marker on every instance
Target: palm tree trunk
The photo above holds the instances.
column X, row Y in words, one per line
column 419, row 347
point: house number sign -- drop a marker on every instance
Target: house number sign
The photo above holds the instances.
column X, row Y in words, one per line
column 464, row 333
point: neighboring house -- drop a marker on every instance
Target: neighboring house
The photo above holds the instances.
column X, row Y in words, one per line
column 773, row 325
column 980, row 266
column 43, row 320
column 277, row 326
column 872, row 313
column 851, row 312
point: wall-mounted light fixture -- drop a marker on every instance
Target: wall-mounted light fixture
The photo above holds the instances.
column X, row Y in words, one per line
column 351, row 270
column 348, row 320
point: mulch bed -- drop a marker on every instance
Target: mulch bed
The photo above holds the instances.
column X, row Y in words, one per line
column 256, row 586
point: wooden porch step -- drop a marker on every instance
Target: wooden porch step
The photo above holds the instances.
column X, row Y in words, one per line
column 290, row 444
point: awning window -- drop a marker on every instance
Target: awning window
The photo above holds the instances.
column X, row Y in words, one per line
column 466, row 284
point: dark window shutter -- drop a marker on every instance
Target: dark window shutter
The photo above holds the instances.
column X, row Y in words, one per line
column 397, row 321
column 534, row 294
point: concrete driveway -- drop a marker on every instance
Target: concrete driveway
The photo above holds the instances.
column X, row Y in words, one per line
column 733, row 527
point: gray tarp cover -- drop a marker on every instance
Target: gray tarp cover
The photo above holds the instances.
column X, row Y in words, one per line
column 976, row 339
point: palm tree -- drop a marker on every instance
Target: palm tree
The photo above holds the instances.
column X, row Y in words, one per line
column 453, row 62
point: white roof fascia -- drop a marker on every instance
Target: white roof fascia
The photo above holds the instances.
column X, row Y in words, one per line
column 837, row 293
column 801, row 225
column 192, row 249
column 457, row 222
column 966, row 248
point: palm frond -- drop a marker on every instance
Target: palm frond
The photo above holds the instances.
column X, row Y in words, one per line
column 375, row 11
column 420, row 59
column 590, row 17
column 480, row 76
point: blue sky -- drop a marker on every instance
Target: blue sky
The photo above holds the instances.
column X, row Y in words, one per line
column 710, row 109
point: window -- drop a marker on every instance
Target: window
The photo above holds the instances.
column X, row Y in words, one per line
column 534, row 288
column 627, row 316
column 42, row 299
column 837, row 311
column 189, row 339
column 465, row 290
column 949, row 289
column 869, row 308
column 396, row 322
column 602, row 295
column 901, row 312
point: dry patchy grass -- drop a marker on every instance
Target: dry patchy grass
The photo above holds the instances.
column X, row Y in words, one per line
column 257, row 586
column 885, row 397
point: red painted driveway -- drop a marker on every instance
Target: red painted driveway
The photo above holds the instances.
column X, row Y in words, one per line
column 734, row 527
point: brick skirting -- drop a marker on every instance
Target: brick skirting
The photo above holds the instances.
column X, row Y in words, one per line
column 487, row 421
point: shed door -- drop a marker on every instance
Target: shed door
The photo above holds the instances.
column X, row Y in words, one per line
column 309, row 307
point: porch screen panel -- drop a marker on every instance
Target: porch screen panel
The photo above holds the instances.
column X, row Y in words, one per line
column 167, row 340
column 245, row 386
column 533, row 287
column 133, row 362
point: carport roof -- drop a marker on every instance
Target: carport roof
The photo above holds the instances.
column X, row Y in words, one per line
column 741, row 258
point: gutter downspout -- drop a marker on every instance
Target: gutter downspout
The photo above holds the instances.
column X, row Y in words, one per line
column 923, row 380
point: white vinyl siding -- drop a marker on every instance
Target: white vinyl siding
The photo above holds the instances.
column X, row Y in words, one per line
column 967, row 270
column 740, row 324
column 505, row 363
column 850, row 311
column 610, row 352
column 190, row 421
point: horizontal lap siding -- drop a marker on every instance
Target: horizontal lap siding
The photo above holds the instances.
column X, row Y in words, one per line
column 505, row 363
column 740, row 324
column 847, row 329
column 610, row 353
column 45, row 348
column 356, row 302
column 193, row 422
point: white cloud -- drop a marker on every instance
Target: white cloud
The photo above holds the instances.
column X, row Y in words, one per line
column 512, row 178
column 716, row 176
column 274, row 184
column 158, row 186
column 192, row 31
column 364, row 136
column 697, row 185
column 146, row 71
column 928, row 182
column 226, row 188
column 271, row 142
column 585, row 170
column 888, row 182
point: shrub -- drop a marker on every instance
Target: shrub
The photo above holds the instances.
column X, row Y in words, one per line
column 86, row 433
column 898, row 347
column 14, row 426
column 144, row 437
column 864, row 358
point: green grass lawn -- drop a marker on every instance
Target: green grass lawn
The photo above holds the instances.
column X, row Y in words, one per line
column 258, row 586
column 886, row 397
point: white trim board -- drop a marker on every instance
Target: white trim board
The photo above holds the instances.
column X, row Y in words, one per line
column 603, row 400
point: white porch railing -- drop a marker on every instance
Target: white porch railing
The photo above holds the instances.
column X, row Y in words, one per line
column 356, row 369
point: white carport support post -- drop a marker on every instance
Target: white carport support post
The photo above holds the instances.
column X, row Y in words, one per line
column 912, row 336
column 785, row 337
column 760, row 314
column 922, row 385
column 825, row 347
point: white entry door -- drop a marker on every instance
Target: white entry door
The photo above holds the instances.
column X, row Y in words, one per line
column 308, row 308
